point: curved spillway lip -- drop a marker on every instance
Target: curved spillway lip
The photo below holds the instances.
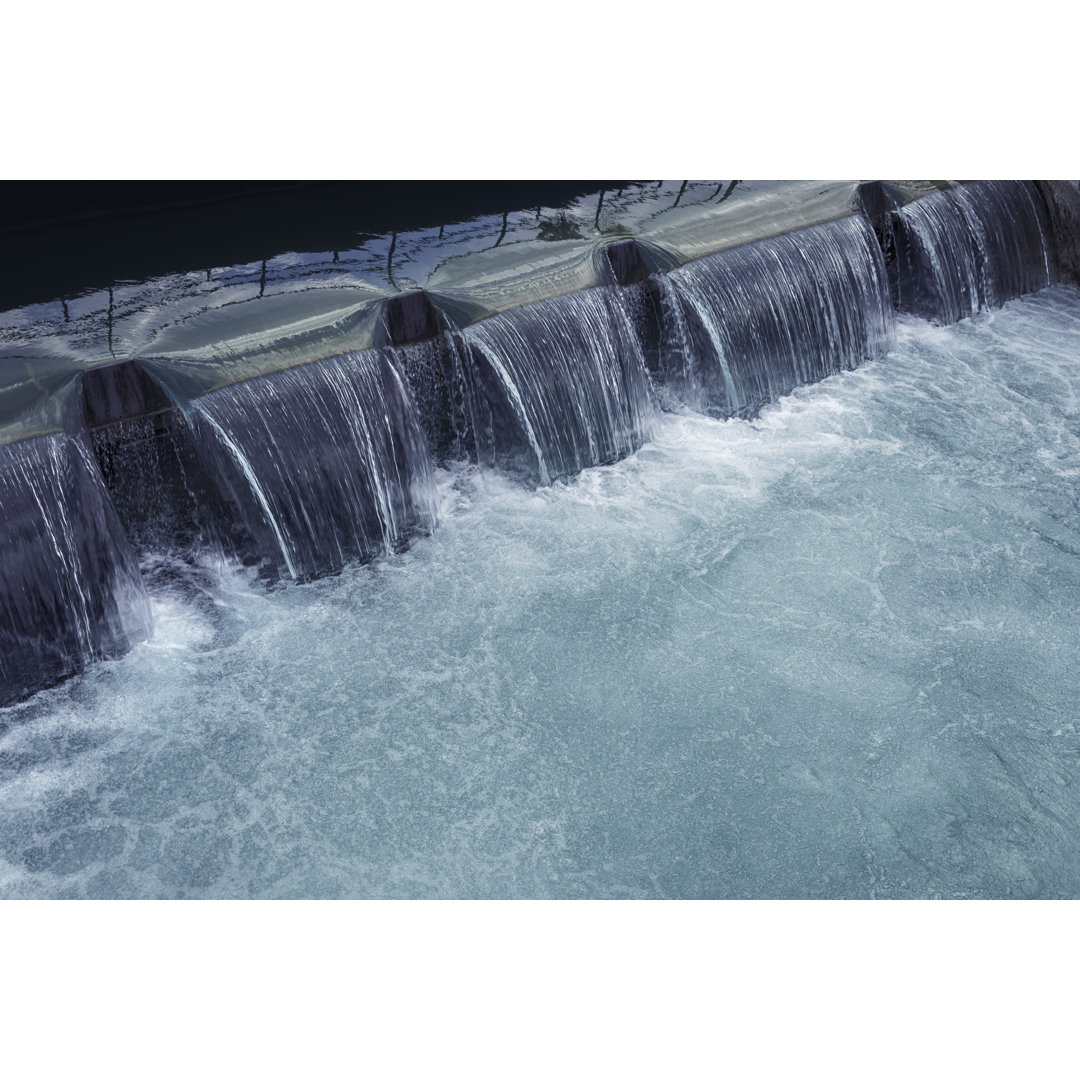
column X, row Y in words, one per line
column 480, row 283
column 244, row 341
column 249, row 325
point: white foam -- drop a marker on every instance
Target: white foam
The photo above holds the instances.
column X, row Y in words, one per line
column 827, row 652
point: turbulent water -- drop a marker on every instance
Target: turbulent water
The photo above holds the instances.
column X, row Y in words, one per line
column 829, row 652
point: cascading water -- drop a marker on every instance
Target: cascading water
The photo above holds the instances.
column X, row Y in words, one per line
column 821, row 653
column 70, row 590
column 557, row 386
column 829, row 652
column 748, row 325
column 325, row 464
column 969, row 248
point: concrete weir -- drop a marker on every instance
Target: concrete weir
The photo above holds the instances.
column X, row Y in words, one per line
column 289, row 413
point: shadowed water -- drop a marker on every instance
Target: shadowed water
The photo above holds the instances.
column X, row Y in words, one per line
column 827, row 652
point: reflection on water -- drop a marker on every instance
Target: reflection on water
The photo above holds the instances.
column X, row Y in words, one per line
column 116, row 321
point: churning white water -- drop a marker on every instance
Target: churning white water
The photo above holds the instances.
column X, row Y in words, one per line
column 827, row 652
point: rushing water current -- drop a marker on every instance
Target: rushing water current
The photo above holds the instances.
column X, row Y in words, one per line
column 829, row 652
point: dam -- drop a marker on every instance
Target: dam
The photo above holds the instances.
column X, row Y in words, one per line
column 689, row 539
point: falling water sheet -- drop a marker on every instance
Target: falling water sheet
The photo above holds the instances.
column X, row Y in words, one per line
column 747, row 326
column 970, row 248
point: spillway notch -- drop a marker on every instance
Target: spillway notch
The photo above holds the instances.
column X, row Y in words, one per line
column 121, row 391
column 407, row 318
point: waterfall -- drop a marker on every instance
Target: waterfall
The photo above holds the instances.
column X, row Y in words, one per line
column 70, row 590
column 969, row 248
column 747, row 325
column 309, row 468
column 555, row 387
column 324, row 464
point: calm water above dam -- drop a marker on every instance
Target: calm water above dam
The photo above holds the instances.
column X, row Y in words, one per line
column 826, row 652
